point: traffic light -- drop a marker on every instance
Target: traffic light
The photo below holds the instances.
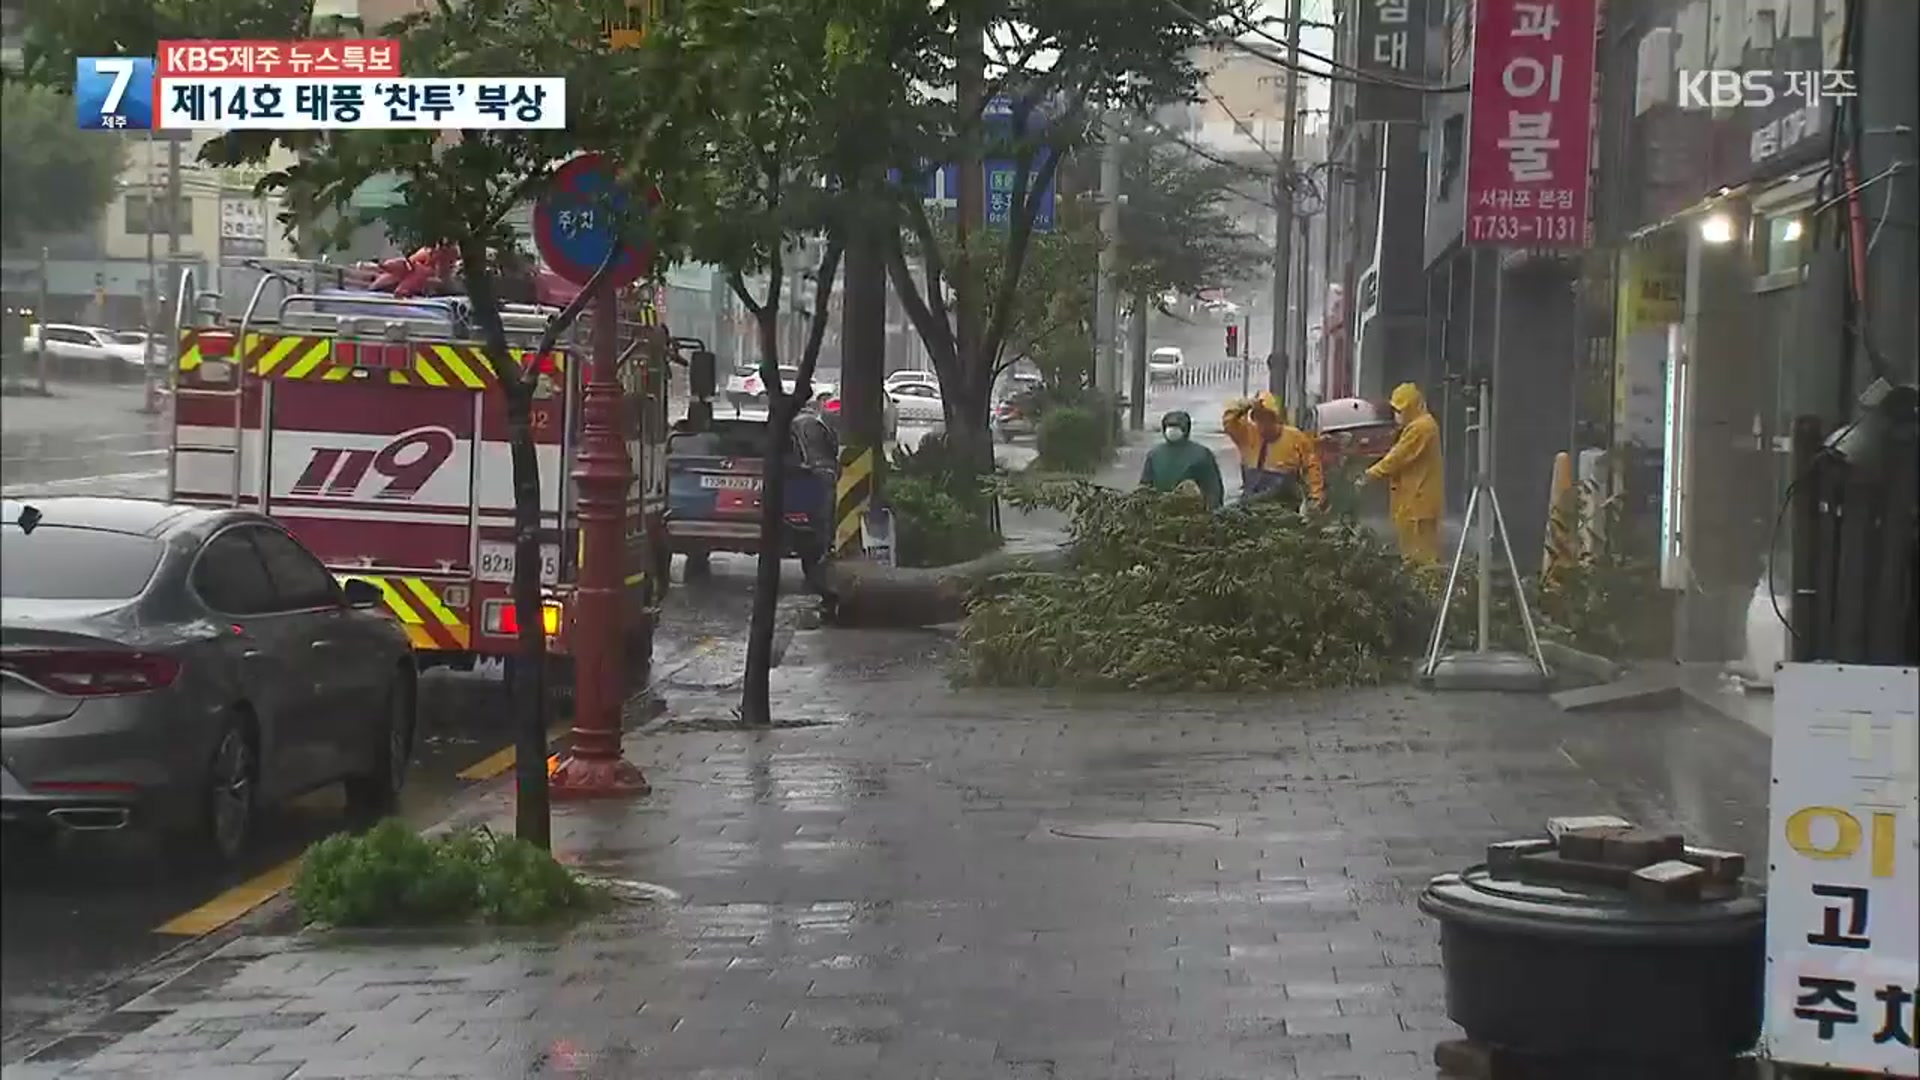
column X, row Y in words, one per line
column 1233, row 340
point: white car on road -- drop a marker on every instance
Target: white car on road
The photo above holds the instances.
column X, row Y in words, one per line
column 89, row 349
column 1166, row 364
column 918, row 403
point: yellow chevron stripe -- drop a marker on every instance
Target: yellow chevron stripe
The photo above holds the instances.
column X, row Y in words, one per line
column 397, row 602
column 337, row 374
column 190, row 358
column 316, row 354
column 462, row 371
column 427, row 372
column 853, row 473
column 424, row 593
column 275, row 354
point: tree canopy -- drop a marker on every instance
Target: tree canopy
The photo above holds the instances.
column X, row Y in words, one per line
column 54, row 177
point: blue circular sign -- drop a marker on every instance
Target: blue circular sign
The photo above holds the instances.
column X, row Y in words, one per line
column 573, row 225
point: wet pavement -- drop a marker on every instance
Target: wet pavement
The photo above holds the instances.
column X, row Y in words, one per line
column 86, row 439
column 914, row 881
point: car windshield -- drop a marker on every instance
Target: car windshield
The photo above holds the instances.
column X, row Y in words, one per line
column 57, row 563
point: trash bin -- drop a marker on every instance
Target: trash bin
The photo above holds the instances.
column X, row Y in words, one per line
column 1603, row 942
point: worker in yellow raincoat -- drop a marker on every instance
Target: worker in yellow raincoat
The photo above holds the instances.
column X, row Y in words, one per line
column 1412, row 471
column 1276, row 458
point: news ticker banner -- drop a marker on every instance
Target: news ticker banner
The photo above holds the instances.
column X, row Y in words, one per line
column 300, row 86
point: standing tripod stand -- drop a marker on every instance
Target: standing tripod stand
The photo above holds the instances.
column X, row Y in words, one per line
column 1486, row 668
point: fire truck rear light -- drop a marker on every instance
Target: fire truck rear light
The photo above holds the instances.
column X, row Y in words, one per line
column 346, row 353
column 395, row 357
column 455, row 596
column 215, row 345
column 501, row 618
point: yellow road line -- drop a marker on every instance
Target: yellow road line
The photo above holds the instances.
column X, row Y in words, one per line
column 250, row 894
column 501, row 760
column 233, row 903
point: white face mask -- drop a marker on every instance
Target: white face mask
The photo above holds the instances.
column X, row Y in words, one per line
column 1175, row 435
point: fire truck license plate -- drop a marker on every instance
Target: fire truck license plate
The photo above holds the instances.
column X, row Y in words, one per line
column 731, row 483
column 496, row 562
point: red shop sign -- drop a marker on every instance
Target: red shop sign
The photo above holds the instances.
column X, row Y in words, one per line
column 1530, row 123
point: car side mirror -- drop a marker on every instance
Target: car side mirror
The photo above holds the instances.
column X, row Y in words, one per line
column 361, row 593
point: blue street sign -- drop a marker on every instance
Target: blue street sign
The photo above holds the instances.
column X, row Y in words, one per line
column 1002, row 176
column 574, row 224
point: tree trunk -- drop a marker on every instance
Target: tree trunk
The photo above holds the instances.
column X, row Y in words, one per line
column 968, row 428
column 756, row 705
column 531, row 818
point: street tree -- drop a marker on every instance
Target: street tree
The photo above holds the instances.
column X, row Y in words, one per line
column 56, row 178
column 1024, row 83
column 1177, row 233
column 780, row 116
column 457, row 193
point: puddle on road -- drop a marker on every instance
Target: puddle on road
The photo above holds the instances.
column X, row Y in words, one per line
column 1138, row 830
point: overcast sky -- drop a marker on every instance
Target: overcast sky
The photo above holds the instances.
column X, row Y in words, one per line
column 1313, row 39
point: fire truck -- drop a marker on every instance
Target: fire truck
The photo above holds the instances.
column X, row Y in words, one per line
column 371, row 427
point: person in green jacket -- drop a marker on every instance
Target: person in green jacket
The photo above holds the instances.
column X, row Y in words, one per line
column 1180, row 460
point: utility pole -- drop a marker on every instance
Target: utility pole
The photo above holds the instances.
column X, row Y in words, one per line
column 1137, row 359
column 40, row 315
column 1297, row 398
column 151, row 324
column 1277, row 363
column 1106, row 320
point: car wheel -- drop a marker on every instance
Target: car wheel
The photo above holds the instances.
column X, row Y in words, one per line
column 228, row 797
column 375, row 793
column 699, row 565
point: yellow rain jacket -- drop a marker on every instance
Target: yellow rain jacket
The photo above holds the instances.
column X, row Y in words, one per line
column 1415, row 482
column 1293, row 451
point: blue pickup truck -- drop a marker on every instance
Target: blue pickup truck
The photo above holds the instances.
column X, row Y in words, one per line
column 714, row 481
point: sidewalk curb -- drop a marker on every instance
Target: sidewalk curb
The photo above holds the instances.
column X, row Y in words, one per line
column 1592, row 666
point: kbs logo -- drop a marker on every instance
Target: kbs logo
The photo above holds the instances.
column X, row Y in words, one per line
column 407, row 462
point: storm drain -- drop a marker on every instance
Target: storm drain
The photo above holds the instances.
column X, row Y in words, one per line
column 1137, row 830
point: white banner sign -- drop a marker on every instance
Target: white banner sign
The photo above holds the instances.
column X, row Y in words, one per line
column 1843, row 921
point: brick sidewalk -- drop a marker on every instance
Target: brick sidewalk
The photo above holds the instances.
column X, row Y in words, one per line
column 888, row 894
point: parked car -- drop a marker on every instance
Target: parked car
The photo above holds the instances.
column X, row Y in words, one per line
column 897, row 379
column 1165, row 364
column 1014, row 414
column 181, row 668
column 918, row 403
column 88, row 351
column 829, row 400
column 714, row 480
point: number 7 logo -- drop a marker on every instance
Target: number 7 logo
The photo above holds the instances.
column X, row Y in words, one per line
column 114, row 93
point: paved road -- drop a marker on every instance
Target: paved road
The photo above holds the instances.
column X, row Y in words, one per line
column 86, row 439
column 930, row 882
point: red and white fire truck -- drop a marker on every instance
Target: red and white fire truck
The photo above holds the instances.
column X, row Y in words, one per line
column 372, row 428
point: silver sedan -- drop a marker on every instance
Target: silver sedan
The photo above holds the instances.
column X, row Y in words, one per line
column 183, row 667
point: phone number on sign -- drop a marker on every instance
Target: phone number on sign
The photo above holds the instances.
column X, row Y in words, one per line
column 1527, row 228
column 496, row 563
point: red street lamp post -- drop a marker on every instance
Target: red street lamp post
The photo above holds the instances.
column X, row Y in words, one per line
column 594, row 767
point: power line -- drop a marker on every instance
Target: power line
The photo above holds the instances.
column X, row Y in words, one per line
column 1351, row 74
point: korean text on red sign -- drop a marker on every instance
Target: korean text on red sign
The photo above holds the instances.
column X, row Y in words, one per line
column 319, row 59
column 1843, row 921
column 1530, row 123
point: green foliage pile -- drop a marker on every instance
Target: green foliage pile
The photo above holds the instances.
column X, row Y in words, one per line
column 393, row 876
column 1164, row 595
column 941, row 514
